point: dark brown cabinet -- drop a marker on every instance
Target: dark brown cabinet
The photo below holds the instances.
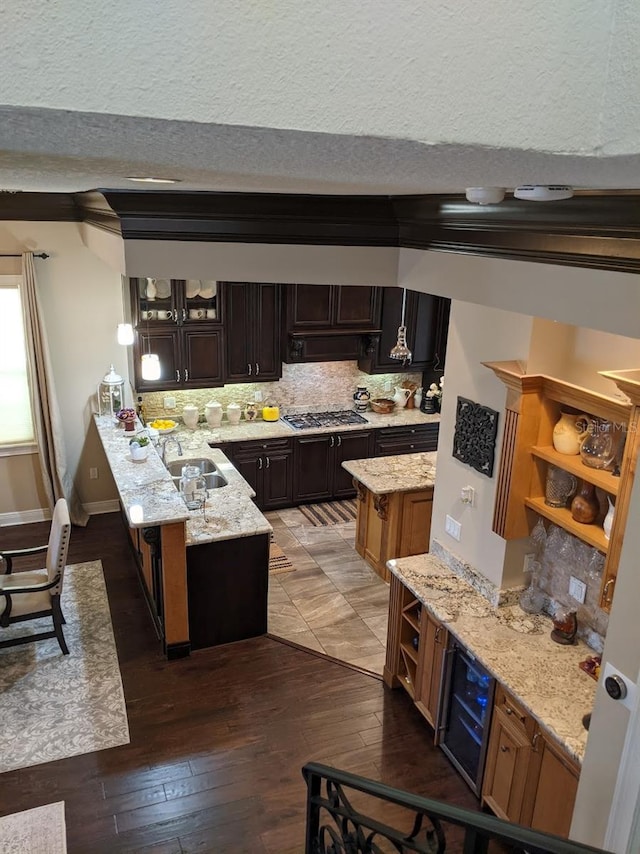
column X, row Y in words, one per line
column 406, row 440
column 427, row 322
column 252, row 332
column 268, row 467
column 328, row 322
column 319, row 475
column 182, row 327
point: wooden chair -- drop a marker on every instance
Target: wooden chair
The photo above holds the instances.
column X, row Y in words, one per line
column 36, row 593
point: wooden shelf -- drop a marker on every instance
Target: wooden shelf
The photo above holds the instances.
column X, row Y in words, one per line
column 410, row 652
column 573, row 464
column 411, row 619
column 561, row 516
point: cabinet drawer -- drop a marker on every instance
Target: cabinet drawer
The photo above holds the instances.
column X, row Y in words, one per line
column 406, row 440
column 258, row 447
column 514, row 712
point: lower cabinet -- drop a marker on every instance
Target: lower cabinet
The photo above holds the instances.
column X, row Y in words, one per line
column 406, row 440
column 529, row 779
column 318, row 464
column 268, row 467
column 396, row 524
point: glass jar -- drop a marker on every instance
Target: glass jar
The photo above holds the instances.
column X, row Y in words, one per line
column 598, row 450
column 111, row 393
column 193, row 487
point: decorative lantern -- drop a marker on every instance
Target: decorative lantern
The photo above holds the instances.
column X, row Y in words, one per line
column 111, row 393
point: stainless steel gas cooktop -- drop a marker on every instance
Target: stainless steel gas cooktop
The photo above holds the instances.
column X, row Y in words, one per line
column 324, row 419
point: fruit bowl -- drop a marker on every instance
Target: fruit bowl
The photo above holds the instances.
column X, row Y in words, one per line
column 382, row 405
column 163, row 425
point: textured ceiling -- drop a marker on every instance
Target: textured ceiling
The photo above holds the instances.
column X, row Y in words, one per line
column 422, row 96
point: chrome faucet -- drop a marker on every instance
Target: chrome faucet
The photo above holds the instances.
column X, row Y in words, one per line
column 163, row 448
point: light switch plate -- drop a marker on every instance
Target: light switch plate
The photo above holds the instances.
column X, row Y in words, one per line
column 453, row 528
column 577, row 589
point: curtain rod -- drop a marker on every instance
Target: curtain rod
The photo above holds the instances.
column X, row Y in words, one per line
column 20, row 254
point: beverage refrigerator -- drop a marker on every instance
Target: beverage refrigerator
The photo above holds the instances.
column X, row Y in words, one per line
column 463, row 728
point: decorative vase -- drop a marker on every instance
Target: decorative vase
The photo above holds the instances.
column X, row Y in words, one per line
column 418, row 397
column 250, row 412
column 585, row 505
column 608, row 519
column 213, row 413
column 569, row 432
column 190, row 416
column 361, row 398
column 233, row 413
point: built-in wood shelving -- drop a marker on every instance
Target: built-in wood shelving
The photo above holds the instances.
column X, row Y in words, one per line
column 573, row 463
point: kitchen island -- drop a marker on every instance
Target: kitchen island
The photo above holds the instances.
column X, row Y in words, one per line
column 204, row 572
column 395, row 498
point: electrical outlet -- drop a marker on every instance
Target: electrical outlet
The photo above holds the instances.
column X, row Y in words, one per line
column 528, row 562
column 169, row 402
column 93, row 473
column 468, row 496
column 577, row 589
column 257, row 396
column 387, row 385
column 453, row 528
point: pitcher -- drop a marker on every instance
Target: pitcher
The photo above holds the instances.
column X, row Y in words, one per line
column 569, row 432
column 401, row 396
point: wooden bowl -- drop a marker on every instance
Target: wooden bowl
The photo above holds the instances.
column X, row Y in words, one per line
column 382, row 405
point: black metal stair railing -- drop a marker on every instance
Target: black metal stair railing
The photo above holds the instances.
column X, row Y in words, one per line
column 334, row 826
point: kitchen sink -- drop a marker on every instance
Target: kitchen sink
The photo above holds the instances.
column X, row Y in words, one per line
column 209, row 470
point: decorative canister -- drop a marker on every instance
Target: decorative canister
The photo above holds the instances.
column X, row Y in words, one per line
column 250, row 412
column 190, row 416
column 213, row 413
column 233, row 413
column 361, row 398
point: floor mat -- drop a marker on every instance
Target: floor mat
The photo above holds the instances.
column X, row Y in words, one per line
column 55, row 705
column 330, row 512
column 278, row 561
column 37, row 831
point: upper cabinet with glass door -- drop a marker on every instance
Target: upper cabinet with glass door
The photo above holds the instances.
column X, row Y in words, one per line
column 177, row 301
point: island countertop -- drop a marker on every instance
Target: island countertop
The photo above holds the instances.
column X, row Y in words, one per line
column 398, row 473
column 514, row 646
column 150, row 497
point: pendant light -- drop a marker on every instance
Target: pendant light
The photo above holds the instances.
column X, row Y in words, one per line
column 400, row 351
column 125, row 334
column 149, row 362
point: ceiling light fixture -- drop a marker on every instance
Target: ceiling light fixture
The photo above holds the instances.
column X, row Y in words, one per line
column 543, row 192
column 144, row 179
column 400, row 351
column 485, row 195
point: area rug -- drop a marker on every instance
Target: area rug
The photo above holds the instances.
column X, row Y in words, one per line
column 54, row 705
column 330, row 512
column 37, row 831
column 278, row 561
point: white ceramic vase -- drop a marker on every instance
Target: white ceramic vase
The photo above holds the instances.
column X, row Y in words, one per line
column 213, row 413
column 190, row 416
column 234, row 412
column 608, row 519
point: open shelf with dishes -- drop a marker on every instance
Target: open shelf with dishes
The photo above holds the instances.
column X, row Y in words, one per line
column 535, row 405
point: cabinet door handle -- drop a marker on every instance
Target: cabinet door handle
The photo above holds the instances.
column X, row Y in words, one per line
column 504, row 748
column 339, row 441
column 511, row 711
column 332, row 442
column 177, row 376
column 437, row 635
column 249, row 368
column 175, row 315
column 534, row 742
column 184, row 314
column 606, row 599
column 268, row 462
column 259, row 462
column 257, row 368
column 186, row 375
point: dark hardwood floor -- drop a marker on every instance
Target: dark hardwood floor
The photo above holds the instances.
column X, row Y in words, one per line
column 218, row 739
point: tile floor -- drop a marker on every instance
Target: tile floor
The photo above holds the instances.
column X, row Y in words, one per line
column 333, row 603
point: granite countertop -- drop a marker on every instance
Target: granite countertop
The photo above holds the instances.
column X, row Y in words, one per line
column 256, row 430
column 514, row 646
column 399, row 473
column 150, row 497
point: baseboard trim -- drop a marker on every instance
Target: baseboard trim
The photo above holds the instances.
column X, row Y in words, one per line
column 43, row 514
column 25, row 517
column 94, row 508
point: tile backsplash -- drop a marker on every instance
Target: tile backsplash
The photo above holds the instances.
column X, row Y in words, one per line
column 560, row 555
column 303, row 388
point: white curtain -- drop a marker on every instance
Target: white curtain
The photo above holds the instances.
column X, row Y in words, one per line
column 46, row 414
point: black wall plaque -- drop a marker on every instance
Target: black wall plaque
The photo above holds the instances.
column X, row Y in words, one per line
column 474, row 440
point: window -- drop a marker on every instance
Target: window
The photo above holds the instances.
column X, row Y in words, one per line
column 16, row 424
